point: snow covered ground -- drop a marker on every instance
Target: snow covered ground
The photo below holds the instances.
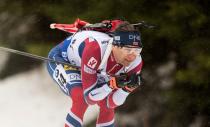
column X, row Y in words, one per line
column 32, row 99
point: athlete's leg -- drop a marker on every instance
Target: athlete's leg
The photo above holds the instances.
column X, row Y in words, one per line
column 106, row 115
column 70, row 83
column 75, row 116
column 56, row 70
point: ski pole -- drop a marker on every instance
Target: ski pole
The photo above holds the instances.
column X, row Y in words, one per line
column 46, row 59
column 36, row 56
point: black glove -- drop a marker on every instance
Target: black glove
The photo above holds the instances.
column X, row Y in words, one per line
column 128, row 83
column 118, row 82
column 134, row 82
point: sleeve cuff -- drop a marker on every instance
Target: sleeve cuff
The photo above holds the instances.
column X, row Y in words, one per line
column 107, row 88
column 124, row 92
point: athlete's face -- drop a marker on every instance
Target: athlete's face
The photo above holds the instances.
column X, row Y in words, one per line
column 125, row 55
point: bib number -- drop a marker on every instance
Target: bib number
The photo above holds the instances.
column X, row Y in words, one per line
column 61, row 77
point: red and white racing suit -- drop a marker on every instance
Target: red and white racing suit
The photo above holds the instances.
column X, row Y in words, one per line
column 87, row 87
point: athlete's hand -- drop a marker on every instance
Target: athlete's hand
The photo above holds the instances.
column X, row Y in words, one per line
column 127, row 83
column 135, row 82
column 118, row 82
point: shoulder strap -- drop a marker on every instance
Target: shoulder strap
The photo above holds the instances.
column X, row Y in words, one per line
column 106, row 54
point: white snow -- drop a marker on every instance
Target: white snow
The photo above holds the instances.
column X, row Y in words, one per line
column 32, row 99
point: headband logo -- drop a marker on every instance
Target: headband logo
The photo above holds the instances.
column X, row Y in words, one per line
column 134, row 37
column 117, row 38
